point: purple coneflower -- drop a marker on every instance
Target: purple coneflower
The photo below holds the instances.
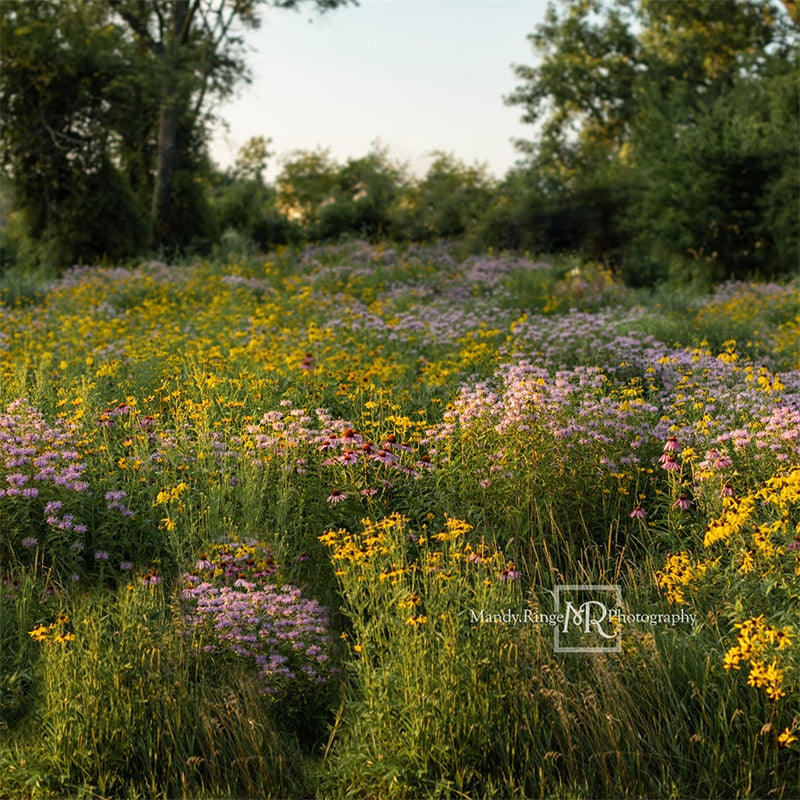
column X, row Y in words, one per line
column 151, row 579
column 203, row 562
column 509, row 573
column 336, row 496
column 385, row 457
column 683, row 502
column 637, row 513
column 670, row 464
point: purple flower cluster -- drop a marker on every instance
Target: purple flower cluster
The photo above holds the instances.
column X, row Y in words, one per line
column 620, row 399
column 114, row 503
column 34, row 455
column 574, row 407
column 282, row 634
column 65, row 522
column 429, row 297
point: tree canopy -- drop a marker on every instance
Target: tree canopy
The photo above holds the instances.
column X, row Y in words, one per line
column 674, row 124
column 104, row 109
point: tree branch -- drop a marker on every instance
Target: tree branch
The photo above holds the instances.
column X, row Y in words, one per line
column 135, row 24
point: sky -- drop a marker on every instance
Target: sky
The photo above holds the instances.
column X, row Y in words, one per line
column 414, row 75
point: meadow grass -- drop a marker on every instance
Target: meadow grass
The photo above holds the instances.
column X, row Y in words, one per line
column 262, row 519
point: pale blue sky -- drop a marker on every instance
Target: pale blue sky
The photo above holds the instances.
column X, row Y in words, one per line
column 418, row 75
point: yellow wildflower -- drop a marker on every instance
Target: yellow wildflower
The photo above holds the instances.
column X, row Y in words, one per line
column 732, row 659
column 39, row 633
column 786, row 738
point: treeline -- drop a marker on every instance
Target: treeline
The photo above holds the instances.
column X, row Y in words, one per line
column 666, row 143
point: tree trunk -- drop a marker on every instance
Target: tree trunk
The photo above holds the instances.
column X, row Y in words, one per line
column 165, row 166
column 169, row 109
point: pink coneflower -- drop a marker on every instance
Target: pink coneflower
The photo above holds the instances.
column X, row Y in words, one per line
column 385, row 457
column 336, row 496
column 722, row 462
column 348, row 457
column 425, row 462
column 794, row 545
column 369, row 492
column 671, row 445
column 637, row 513
column 683, row 502
column 152, row 578
column 510, row 573
column 670, row 464
column 203, row 562
column 727, row 491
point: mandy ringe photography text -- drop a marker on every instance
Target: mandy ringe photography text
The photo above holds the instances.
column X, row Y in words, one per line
column 583, row 625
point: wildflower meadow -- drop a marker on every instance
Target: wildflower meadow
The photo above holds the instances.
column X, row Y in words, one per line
column 318, row 523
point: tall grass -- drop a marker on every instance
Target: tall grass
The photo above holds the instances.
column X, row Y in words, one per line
column 126, row 711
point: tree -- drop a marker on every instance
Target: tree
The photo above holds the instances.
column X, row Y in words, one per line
column 448, row 201
column 58, row 88
column 716, row 192
column 622, row 87
column 104, row 110
column 308, row 180
column 246, row 207
column 197, row 48
column 363, row 199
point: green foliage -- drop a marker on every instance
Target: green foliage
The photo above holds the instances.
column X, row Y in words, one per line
column 331, row 200
column 104, row 114
column 246, row 208
column 448, row 202
column 712, row 197
column 58, row 79
column 668, row 135
column 416, row 652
